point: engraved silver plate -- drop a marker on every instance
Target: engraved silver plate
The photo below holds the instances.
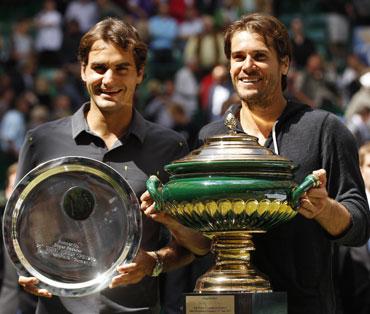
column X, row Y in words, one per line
column 70, row 222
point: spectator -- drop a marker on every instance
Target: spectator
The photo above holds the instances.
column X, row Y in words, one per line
column 68, row 85
column 338, row 26
column 14, row 125
column 359, row 124
column 177, row 9
column 62, row 107
column 71, row 40
column 43, row 91
column 163, row 31
column 17, row 301
column 28, row 71
column 364, row 157
column 360, row 98
column 302, row 46
column 228, row 12
column 85, row 12
column 9, row 185
column 157, row 108
column 220, row 91
column 22, row 44
column 4, row 49
column 186, row 88
column 207, row 47
column 349, row 80
column 182, row 124
column 354, row 276
column 207, row 7
column 141, row 9
column 313, row 87
column 49, row 34
column 39, row 114
column 7, row 96
column 108, row 8
column 191, row 26
column 205, row 84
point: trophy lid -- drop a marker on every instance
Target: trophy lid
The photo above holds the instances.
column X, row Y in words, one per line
column 70, row 222
column 234, row 152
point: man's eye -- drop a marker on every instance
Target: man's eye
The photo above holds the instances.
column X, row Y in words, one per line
column 122, row 69
column 99, row 68
column 260, row 57
column 238, row 58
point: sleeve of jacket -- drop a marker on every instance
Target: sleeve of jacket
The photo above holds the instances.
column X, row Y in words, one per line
column 345, row 184
column 27, row 156
column 11, row 296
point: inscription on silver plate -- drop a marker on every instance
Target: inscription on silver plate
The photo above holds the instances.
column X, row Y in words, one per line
column 66, row 250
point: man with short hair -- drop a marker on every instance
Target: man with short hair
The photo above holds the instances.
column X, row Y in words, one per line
column 109, row 129
column 296, row 256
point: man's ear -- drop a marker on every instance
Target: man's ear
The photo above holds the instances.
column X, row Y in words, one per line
column 83, row 75
column 140, row 76
column 284, row 63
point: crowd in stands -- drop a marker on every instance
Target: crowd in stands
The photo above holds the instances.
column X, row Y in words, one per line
column 187, row 79
column 187, row 82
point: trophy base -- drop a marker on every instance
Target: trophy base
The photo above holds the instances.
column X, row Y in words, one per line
column 236, row 303
column 232, row 271
column 229, row 277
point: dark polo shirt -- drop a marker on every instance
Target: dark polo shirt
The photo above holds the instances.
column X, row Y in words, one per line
column 141, row 152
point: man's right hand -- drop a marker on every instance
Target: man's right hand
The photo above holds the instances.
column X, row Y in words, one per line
column 29, row 284
column 191, row 239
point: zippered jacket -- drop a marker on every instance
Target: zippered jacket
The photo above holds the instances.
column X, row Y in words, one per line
column 297, row 256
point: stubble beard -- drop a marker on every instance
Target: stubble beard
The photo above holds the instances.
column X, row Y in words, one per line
column 257, row 101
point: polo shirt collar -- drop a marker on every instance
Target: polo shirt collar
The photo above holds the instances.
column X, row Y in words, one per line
column 137, row 127
column 79, row 123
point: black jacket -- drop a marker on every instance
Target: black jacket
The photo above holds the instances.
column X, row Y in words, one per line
column 297, row 256
column 354, row 280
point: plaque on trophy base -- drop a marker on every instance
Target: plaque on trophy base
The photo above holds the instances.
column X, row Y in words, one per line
column 236, row 303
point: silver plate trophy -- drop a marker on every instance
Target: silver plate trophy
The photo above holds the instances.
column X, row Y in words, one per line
column 70, row 222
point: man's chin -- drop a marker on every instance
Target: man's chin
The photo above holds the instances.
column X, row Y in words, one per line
column 106, row 106
column 106, row 103
column 250, row 97
column 255, row 101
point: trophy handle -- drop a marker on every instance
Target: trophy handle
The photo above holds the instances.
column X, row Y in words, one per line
column 154, row 186
column 308, row 182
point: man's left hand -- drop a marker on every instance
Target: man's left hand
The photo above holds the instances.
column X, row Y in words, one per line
column 316, row 199
column 134, row 272
column 330, row 214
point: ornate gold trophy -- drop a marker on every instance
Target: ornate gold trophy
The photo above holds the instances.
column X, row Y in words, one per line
column 229, row 189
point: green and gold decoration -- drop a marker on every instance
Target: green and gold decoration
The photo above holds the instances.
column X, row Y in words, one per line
column 229, row 189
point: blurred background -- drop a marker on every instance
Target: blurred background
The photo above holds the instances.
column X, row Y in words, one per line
column 187, row 77
column 187, row 82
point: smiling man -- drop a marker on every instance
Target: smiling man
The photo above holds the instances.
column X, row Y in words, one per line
column 297, row 256
column 109, row 129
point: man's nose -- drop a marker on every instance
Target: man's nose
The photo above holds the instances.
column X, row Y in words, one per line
column 248, row 63
column 108, row 77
